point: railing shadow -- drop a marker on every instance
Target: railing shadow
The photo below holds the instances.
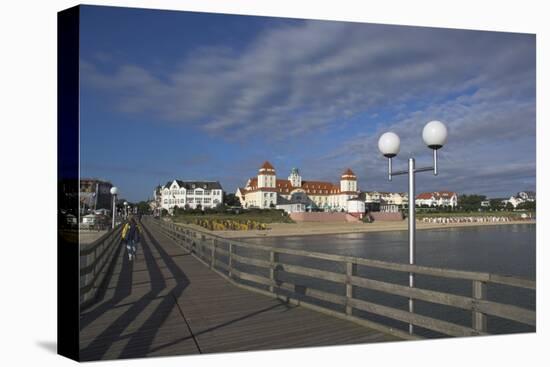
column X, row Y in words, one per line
column 112, row 333
column 135, row 347
column 123, row 289
column 227, row 323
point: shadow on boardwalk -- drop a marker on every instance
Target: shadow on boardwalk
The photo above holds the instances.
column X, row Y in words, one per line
column 167, row 303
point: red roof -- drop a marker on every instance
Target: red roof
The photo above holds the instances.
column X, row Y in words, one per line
column 424, row 196
column 348, row 173
column 285, row 187
column 436, row 195
column 445, row 194
column 267, row 165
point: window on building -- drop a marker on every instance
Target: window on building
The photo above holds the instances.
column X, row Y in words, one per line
column 190, row 192
column 190, row 200
column 207, row 192
column 207, row 200
column 198, row 192
column 165, row 201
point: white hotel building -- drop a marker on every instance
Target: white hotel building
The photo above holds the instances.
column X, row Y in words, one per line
column 188, row 194
column 294, row 194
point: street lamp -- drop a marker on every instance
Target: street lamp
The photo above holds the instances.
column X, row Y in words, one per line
column 114, row 192
column 125, row 210
column 434, row 135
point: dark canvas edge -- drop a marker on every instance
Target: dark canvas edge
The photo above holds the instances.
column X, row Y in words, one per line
column 67, row 181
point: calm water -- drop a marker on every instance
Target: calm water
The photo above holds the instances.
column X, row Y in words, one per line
column 506, row 249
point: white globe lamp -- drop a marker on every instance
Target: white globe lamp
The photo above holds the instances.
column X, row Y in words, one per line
column 114, row 192
column 388, row 144
column 434, row 134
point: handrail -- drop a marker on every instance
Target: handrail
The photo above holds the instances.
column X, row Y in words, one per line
column 206, row 246
column 94, row 263
column 407, row 268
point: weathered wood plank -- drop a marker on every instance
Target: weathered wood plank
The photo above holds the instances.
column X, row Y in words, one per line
column 441, row 326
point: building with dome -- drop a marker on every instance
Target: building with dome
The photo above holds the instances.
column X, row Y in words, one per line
column 295, row 194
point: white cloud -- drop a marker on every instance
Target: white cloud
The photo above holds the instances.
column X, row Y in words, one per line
column 302, row 78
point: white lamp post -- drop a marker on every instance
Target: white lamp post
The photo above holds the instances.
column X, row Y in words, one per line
column 114, row 192
column 434, row 135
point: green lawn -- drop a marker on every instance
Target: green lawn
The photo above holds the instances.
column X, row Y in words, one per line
column 261, row 216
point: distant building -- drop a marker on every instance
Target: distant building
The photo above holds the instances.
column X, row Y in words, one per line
column 95, row 194
column 384, row 201
column 514, row 201
column 189, row 194
column 290, row 207
column 156, row 203
column 386, row 207
column 267, row 191
column 437, row 199
column 356, row 207
column 520, row 197
column 529, row 196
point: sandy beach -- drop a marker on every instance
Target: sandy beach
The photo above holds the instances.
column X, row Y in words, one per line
column 316, row 228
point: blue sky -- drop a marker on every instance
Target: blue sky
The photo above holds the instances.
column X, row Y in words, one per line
column 199, row 96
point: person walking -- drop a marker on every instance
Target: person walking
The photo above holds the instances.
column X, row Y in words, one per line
column 124, row 233
column 132, row 239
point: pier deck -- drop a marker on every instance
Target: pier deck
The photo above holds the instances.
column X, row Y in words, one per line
column 168, row 303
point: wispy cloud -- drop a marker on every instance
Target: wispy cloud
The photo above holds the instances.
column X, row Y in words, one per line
column 297, row 78
column 306, row 77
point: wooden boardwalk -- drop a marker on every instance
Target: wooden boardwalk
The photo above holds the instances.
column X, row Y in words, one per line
column 168, row 303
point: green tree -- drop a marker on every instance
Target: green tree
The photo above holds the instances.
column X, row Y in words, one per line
column 496, row 204
column 231, row 200
column 471, row 202
column 528, row 205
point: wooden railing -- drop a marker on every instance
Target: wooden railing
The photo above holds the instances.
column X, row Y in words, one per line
column 220, row 255
column 94, row 264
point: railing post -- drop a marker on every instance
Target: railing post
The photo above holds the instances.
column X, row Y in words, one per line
column 213, row 254
column 93, row 262
column 203, row 239
column 351, row 270
column 230, row 259
column 479, row 319
column 273, row 259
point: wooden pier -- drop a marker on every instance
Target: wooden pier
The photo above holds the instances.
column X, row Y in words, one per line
column 191, row 292
column 169, row 303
